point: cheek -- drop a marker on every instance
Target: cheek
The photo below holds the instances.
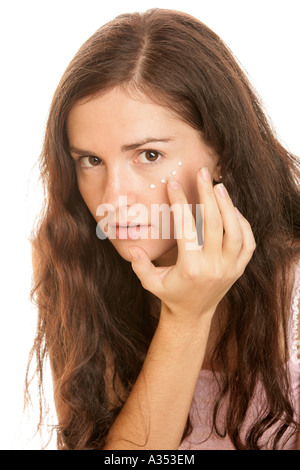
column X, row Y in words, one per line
column 191, row 191
column 189, row 185
column 188, row 180
column 160, row 178
column 92, row 196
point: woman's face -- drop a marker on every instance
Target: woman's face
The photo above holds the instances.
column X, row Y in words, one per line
column 124, row 149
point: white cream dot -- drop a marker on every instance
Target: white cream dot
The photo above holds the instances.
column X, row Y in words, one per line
column 163, row 180
column 152, row 186
column 173, row 172
column 179, row 163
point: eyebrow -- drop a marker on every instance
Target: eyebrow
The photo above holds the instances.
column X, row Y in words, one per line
column 148, row 140
column 124, row 148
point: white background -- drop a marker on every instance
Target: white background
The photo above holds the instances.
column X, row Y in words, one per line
column 38, row 39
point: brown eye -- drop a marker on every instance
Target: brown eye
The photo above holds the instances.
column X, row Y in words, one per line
column 89, row 161
column 150, row 156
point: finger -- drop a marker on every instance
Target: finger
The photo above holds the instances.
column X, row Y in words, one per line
column 248, row 245
column 233, row 233
column 184, row 223
column 144, row 269
column 212, row 220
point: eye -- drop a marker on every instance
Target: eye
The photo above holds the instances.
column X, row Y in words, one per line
column 89, row 161
column 150, row 157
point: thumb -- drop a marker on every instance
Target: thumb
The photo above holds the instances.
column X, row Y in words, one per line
column 143, row 267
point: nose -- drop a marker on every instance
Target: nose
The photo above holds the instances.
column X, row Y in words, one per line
column 119, row 189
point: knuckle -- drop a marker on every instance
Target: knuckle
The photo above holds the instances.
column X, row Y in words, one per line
column 236, row 271
column 190, row 274
column 210, row 191
column 237, row 237
column 251, row 246
column 179, row 200
column 248, row 225
column 215, row 273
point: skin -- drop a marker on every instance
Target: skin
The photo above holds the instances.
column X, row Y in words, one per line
column 190, row 283
column 101, row 127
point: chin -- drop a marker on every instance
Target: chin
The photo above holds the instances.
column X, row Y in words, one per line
column 156, row 249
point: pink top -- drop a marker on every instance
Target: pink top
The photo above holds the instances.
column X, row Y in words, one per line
column 201, row 437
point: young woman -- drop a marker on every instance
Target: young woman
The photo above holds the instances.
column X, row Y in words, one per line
column 158, row 342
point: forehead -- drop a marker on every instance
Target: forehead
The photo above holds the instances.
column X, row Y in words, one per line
column 118, row 115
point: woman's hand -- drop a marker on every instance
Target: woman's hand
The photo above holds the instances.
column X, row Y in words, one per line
column 201, row 277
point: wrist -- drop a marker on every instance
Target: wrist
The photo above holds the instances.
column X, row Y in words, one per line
column 189, row 324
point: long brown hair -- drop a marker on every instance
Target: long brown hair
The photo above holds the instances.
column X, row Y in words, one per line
column 95, row 320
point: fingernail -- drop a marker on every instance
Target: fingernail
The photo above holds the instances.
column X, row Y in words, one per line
column 205, row 173
column 134, row 254
column 174, row 184
column 221, row 190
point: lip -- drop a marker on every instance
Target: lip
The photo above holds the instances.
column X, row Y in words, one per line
column 128, row 224
column 130, row 232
